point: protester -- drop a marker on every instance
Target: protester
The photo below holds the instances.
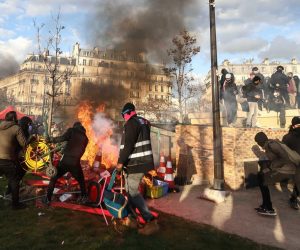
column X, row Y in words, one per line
column 11, row 137
column 280, row 80
column 26, row 125
column 292, row 140
column 297, row 83
column 292, row 90
column 278, row 97
column 228, row 94
column 281, row 165
column 137, row 159
column 262, row 85
column 253, row 94
column 76, row 143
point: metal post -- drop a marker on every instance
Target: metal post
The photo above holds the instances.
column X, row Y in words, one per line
column 217, row 131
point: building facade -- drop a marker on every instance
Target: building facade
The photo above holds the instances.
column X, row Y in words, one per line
column 28, row 89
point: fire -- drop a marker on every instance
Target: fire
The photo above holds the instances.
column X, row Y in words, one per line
column 99, row 133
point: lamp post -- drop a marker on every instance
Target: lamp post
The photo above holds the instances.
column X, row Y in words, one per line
column 217, row 131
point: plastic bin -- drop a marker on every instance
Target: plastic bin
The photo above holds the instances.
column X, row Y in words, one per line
column 165, row 186
column 154, row 192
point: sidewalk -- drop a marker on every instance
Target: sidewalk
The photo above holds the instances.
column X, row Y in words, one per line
column 237, row 215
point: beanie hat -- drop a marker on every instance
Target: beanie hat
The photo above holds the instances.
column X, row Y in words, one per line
column 127, row 108
column 254, row 69
column 280, row 67
column 295, row 120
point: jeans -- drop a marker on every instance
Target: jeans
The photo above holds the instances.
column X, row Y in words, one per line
column 135, row 199
column 72, row 165
column 252, row 114
column 8, row 168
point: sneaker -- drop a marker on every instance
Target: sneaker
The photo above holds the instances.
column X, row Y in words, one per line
column 258, row 208
column 129, row 222
column 150, row 228
column 268, row 212
column 294, row 204
column 46, row 201
column 19, row 206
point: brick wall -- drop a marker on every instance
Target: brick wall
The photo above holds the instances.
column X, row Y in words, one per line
column 194, row 152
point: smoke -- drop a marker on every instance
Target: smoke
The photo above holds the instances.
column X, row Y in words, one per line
column 140, row 26
column 111, row 94
column 8, row 66
column 106, row 133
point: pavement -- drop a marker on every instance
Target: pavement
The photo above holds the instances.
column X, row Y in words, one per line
column 236, row 215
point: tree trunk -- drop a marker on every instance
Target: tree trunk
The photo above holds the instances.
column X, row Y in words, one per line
column 50, row 114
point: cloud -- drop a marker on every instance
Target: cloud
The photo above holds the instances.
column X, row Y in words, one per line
column 18, row 47
column 243, row 44
column 5, row 33
column 281, row 48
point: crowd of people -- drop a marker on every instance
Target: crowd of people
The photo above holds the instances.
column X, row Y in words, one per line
column 278, row 93
column 135, row 159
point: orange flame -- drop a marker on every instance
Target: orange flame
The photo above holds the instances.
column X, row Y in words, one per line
column 109, row 150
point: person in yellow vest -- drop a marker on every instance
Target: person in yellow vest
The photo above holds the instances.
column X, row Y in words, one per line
column 136, row 158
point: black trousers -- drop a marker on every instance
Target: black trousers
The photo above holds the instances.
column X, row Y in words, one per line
column 8, row 168
column 231, row 110
column 72, row 165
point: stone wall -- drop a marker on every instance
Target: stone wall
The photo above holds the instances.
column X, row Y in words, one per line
column 194, row 152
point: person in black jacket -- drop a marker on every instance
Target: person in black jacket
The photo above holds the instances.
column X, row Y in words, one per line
column 292, row 140
column 70, row 162
column 281, row 81
column 253, row 94
column 137, row 158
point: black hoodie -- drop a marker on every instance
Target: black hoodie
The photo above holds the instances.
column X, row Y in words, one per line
column 292, row 139
column 76, row 142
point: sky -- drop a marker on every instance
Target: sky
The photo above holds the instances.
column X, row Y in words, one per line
column 245, row 29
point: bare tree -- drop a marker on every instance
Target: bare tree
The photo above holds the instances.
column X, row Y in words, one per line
column 154, row 109
column 181, row 53
column 52, row 58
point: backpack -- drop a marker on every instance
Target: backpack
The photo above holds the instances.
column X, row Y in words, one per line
column 293, row 156
column 116, row 203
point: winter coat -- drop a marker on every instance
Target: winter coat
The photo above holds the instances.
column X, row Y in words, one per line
column 229, row 91
column 135, row 150
column 276, row 154
column 76, row 142
column 250, row 91
column 279, row 78
column 11, row 137
column 292, row 139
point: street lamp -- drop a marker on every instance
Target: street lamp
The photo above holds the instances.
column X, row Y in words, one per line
column 217, row 131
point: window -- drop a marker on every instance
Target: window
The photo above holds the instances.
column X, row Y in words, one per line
column 162, row 88
column 82, row 70
column 162, row 97
column 90, row 62
column 150, row 96
column 156, row 88
column 150, row 87
column 84, row 62
column 161, row 79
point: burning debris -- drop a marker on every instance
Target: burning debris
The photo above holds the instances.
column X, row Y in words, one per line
column 99, row 130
